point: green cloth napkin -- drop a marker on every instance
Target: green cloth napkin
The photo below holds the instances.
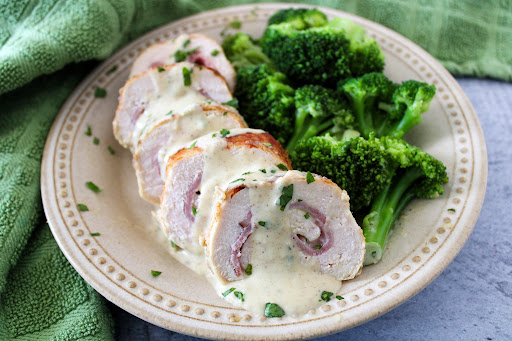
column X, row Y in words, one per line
column 41, row 296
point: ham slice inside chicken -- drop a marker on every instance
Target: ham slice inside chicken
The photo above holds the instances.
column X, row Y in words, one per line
column 317, row 217
column 194, row 48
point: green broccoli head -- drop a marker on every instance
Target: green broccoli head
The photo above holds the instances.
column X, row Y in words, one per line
column 359, row 166
column 300, row 18
column 318, row 111
column 317, row 51
column 266, row 100
column 242, row 50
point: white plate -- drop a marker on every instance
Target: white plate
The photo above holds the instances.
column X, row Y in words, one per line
column 118, row 263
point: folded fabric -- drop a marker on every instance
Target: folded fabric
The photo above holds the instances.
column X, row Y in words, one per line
column 41, row 297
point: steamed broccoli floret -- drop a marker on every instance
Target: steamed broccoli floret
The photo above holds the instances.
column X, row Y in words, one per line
column 385, row 108
column 385, row 173
column 299, row 17
column 317, row 52
column 242, row 50
column 318, row 111
column 266, row 100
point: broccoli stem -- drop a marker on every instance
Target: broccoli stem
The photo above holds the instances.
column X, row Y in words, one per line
column 363, row 119
column 314, row 128
column 384, row 211
column 411, row 118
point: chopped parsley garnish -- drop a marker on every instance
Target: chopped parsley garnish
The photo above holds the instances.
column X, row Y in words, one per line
column 180, row 56
column 268, row 144
column 239, row 179
column 286, row 196
column 224, row 132
column 193, row 145
column 248, row 270
column 161, row 69
column 263, row 170
column 169, row 113
column 194, row 211
column 82, row 207
column 451, row 209
column 227, row 292
column 246, row 173
column 215, row 52
column 339, row 297
column 187, row 81
column 100, row 93
column 88, row 132
column 282, row 167
column 173, row 244
column 235, row 24
column 262, row 223
column 95, row 234
column 232, row 103
column 306, row 215
column 318, row 247
column 326, row 296
column 273, row 171
column 214, row 134
column 239, row 295
column 185, row 44
column 273, row 310
column 299, row 200
column 111, row 150
column 112, row 69
column 96, row 140
column 155, row 273
column 309, row 177
column 93, row 187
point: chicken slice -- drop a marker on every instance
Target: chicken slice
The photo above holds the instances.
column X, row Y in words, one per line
column 168, row 136
column 151, row 97
column 193, row 175
column 195, row 48
column 282, row 217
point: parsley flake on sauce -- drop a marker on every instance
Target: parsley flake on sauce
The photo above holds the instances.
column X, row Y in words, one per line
column 96, row 140
column 224, row 132
column 286, row 196
column 215, row 52
column 111, row 150
column 161, row 69
column 340, row 297
column 194, row 211
column 214, row 134
column 239, row 295
column 318, row 247
column 263, row 170
column 185, row 44
column 240, row 179
column 273, row 310
column 262, row 223
column 193, row 145
column 180, row 56
column 100, row 93
column 95, row 234
column 268, row 144
column 326, row 296
column 248, row 270
column 88, row 132
column 82, row 207
column 169, row 113
column 187, row 80
column 306, row 215
column 273, row 171
column 451, row 210
column 309, row 178
column 227, row 292
column 282, row 167
column 173, row 244
column 93, row 187
column 155, row 273
column 246, row 173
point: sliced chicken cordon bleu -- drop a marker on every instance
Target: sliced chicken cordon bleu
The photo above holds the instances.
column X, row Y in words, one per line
column 283, row 235
column 194, row 173
column 167, row 137
column 151, row 97
column 194, row 48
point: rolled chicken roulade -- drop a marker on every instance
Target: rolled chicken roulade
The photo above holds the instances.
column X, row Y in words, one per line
column 151, row 97
column 194, row 173
column 167, row 137
column 194, row 48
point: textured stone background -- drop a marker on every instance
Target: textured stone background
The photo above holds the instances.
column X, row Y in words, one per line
column 472, row 298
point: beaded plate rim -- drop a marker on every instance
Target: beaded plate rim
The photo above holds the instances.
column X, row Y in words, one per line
column 408, row 277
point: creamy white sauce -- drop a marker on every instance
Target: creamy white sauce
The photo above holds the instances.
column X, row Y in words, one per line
column 279, row 273
column 170, row 97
